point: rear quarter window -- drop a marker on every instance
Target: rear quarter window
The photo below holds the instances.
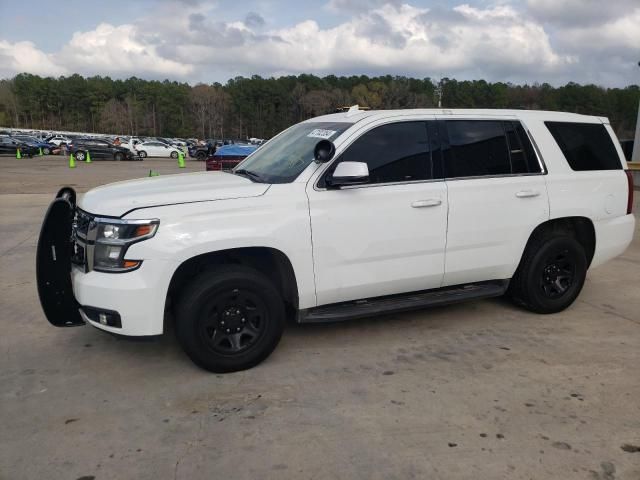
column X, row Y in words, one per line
column 586, row 146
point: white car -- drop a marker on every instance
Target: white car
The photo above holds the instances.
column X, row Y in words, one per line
column 343, row 216
column 58, row 139
column 156, row 149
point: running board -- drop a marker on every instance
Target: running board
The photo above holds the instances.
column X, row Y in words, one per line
column 403, row 302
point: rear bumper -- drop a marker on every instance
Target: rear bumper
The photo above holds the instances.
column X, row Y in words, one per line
column 613, row 236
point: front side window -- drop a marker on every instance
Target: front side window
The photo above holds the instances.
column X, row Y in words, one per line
column 396, row 152
column 586, row 146
column 282, row 159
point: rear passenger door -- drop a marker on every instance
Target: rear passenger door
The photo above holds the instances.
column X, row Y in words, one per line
column 497, row 196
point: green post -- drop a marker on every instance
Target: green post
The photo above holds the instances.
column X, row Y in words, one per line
column 180, row 159
column 88, row 157
column 18, row 155
column 72, row 161
column 40, row 150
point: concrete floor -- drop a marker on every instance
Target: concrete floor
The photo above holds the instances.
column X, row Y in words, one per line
column 482, row 390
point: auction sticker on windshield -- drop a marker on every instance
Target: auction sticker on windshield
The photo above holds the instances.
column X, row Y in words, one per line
column 321, row 133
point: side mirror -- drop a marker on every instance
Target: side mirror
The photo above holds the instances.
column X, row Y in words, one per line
column 348, row 173
column 324, row 151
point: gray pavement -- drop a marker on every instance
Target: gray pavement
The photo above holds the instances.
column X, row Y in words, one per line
column 482, row 390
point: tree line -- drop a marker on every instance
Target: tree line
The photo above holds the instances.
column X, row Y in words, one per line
column 261, row 107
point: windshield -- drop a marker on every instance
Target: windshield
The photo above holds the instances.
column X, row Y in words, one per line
column 282, row 159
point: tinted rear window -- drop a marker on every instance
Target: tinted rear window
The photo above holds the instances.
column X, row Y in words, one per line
column 586, row 146
column 477, row 148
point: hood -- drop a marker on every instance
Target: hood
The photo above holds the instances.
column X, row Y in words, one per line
column 116, row 199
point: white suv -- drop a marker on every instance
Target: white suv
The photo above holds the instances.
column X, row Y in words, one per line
column 343, row 216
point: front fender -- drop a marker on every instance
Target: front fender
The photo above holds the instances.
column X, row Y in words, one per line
column 277, row 220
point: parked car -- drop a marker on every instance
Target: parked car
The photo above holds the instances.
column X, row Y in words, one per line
column 343, row 216
column 58, row 139
column 38, row 144
column 201, row 152
column 99, row 150
column 156, row 149
column 228, row 157
column 10, row 146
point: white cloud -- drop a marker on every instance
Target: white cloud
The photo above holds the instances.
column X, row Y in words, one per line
column 496, row 42
column 26, row 57
column 111, row 49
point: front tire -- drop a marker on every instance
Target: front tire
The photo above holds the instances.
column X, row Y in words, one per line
column 551, row 274
column 80, row 156
column 229, row 319
column 174, row 155
column 142, row 154
column 46, row 151
column 118, row 156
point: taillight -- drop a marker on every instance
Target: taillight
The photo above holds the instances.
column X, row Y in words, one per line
column 630, row 197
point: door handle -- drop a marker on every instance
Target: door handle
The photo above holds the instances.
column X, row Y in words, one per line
column 431, row 202
column 527, row 193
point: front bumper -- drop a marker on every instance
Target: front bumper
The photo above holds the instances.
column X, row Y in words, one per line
column 138, row 296
column 70, row 296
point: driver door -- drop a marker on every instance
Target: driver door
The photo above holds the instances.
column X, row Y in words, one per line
column 386, row 236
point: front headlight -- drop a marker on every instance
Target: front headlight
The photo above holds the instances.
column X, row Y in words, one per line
column 113, row 238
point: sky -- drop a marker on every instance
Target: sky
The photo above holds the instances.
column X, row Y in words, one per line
column 518, row 41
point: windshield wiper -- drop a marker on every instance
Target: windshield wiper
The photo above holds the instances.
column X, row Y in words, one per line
column 252, row 175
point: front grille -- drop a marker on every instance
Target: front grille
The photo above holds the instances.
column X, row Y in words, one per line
column 81, row 223
column 79, row 230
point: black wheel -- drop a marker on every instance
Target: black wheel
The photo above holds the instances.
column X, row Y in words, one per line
column 142, row 154
column 229, row 319
column 550, row 275
column 118, row 156
column 80, row 156
column 201, row 155
column 174, row 154
column 46, row 151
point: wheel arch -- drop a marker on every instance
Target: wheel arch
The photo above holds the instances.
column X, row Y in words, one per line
column 271, row 262
column 581, row 228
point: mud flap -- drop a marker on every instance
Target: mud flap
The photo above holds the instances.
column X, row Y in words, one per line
column 53, row 263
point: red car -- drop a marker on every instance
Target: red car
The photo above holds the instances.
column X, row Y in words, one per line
column 228, row 156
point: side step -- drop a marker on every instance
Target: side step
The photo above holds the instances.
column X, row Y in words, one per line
column 403, row 302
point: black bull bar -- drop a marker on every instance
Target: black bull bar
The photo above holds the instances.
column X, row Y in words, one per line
column 53, row 262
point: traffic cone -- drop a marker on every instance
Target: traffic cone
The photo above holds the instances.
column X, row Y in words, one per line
column 18, row 154
column 153, row 174
column 88, row 157
column 72, row 161
column 40, row 149
column 180, row 159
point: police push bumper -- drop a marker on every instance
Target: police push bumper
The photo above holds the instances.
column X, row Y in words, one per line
column 53, row 262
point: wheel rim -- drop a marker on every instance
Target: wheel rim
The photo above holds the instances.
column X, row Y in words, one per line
column 80, row 156
column 233, row 321
column 45, row 151
column 558, row 274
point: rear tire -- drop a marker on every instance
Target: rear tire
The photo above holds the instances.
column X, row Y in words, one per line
column 46, row 151
column 201, row 155
column 174, row 154
column 118, row 156
column 551, row 274
column 80, row 156
column 142, row 154
column 229, row 319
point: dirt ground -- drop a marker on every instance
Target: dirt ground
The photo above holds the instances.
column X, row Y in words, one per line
column 481, row 390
